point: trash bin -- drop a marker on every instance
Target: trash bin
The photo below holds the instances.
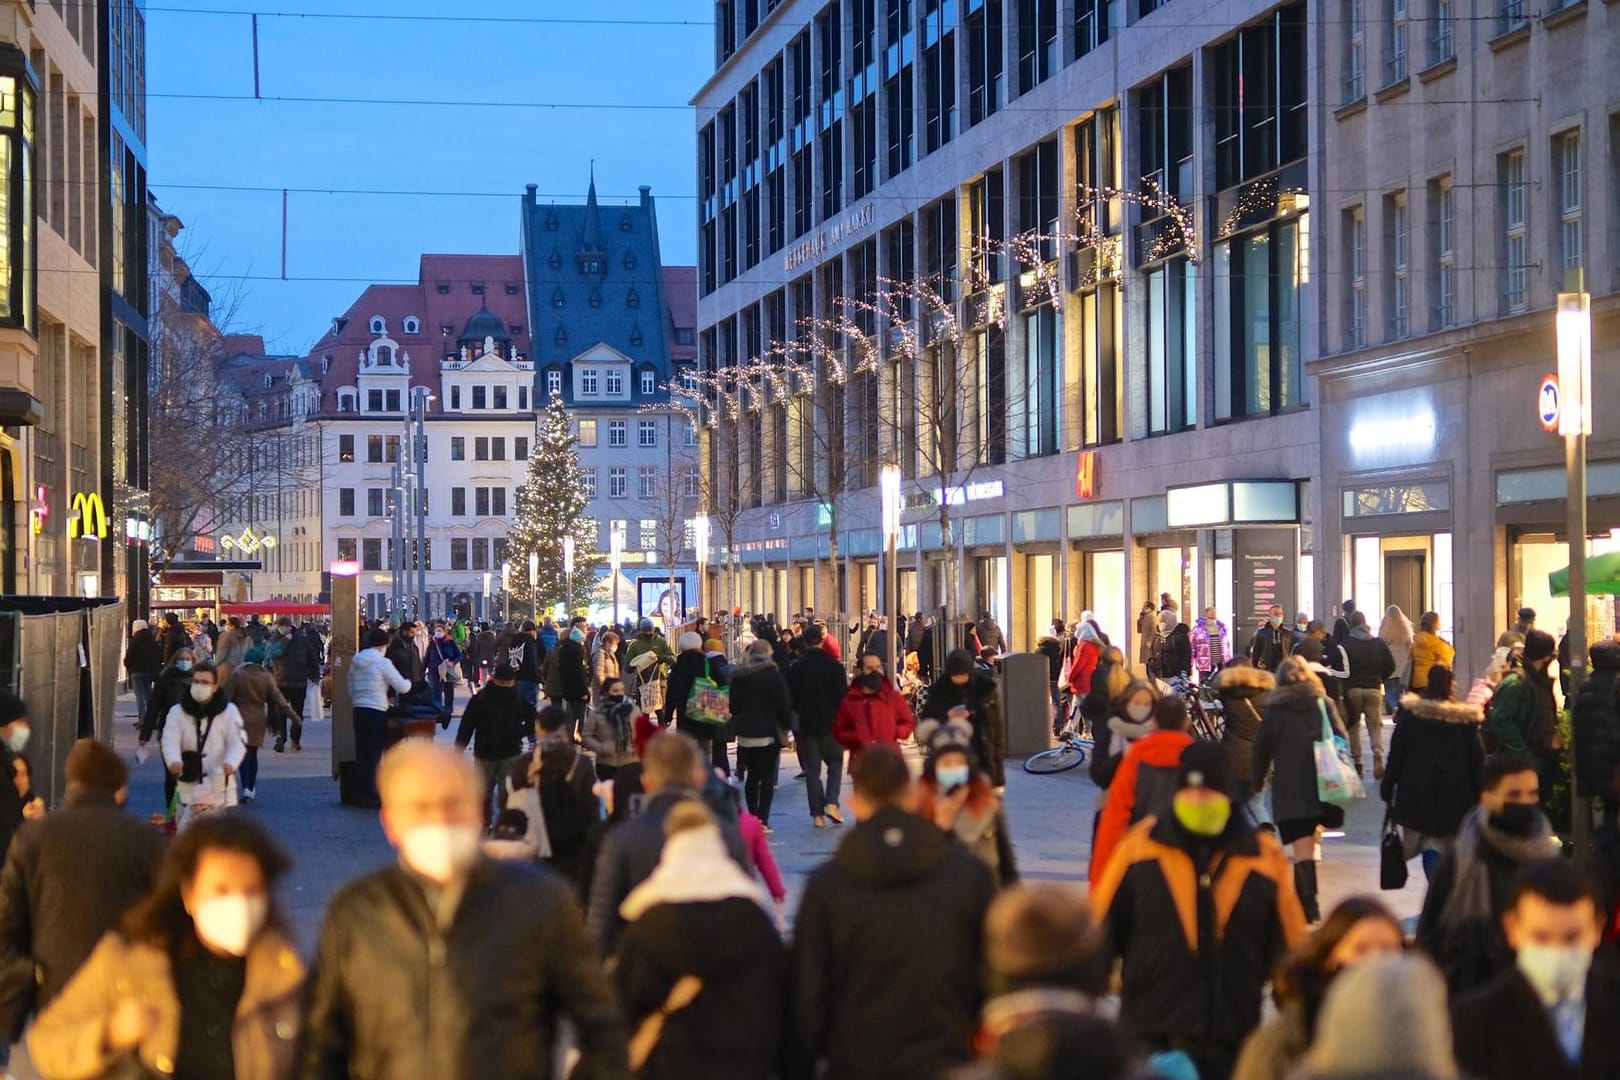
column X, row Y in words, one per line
column 1026, row 703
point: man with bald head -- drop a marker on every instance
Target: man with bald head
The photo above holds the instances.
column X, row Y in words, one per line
column 449, row 964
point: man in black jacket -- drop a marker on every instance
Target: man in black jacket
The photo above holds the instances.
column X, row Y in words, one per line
column 978, row 698
column 1550, row 1015
column 70, row 876
column 297, row 664
column 573, row 678
column 143, row 661
column 888, row 947
column 495, row 722
column 175, row 637
column 817, row 684
column 1371, row 664
column 1272, row 643
column 449, row 965
column 526, row 644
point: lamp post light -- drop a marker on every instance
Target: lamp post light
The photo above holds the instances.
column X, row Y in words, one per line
column 890, row 487
column 1575, row 424
column 486, row 597
column 534, row 586
column 506, row 589
column 615, row 560
column 700, row 540
column 568, row 576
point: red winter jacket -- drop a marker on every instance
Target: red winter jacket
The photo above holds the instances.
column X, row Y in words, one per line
column 864, row 719
column 1082, row 666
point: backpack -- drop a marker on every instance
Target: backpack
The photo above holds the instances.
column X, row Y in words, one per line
column 566, row 822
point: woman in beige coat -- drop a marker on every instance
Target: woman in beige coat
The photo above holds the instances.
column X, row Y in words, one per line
column 199, row 981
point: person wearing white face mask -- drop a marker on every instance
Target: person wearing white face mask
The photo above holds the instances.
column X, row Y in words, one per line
column 204, row 745
column 1552, row 1014
column 14, row 732
column 450, row 964
column 199, row 980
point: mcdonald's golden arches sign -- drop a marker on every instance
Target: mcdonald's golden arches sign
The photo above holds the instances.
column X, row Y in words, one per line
column 87, row 518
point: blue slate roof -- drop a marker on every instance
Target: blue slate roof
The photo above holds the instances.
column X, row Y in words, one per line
column 593, row 278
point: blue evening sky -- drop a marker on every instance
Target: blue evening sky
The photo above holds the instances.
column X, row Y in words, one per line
column 463, row 143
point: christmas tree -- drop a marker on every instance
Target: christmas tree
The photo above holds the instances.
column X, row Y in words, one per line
column 550, row 506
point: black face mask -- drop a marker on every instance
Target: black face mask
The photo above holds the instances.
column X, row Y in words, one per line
column 1517, row 819
column 871, row 680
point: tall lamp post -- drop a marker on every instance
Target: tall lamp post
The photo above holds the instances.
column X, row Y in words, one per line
column 534, row 587
column 615, row 560
column 700, row 540
column 487, row 617
column 506, row 589
column 1575, row 424
column 890, row 487
column 568, row 576
column 419, row 454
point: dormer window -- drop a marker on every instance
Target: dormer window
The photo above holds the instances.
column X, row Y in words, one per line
column 649, row 383
column 385, row 355
column 348, row 400
column 635, row 337
column 625, row 224
column 629, row 260
column 413, row 325
column 553, row 383
column 443, row 288
column 557, row 298
column 516, row 330
column 511, row 290
column 269, row 380
column 551, row 221
column 378, row 325
column 633, row 299
column 561, row 337
column 478, row 289
column 596, row 298
column 555, row 261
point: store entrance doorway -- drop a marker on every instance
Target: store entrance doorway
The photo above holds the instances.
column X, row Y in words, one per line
column 1405, row 581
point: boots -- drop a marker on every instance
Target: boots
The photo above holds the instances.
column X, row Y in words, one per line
column 1305, row 886
column 1378, row 762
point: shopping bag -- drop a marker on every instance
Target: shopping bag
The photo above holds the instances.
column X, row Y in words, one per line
column 1391, row 856
column 709, row 702
column 1336, row 781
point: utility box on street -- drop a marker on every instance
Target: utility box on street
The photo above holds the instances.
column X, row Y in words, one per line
column 1026, row 703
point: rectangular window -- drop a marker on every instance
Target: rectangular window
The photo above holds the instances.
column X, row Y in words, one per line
column 1355, row 254
column 481, row 501
column 348, row 549
column 1394, row 42
column 1171, row 369
column 374, row 449
column 1398, row 258
column 371, row 554
column 691, row 482
column 646, row 433
column 939, row 72
column 830, row 118
column 523, row 399
column 688, row 435
column 649, row 534
column 615, row 382
column 984, row 44
column 617, row 433
column 900, row 87
column 1441, row 44
column 480, row 554
column 1037, row 42
column 649, row 383
column 587, row 478
column 1261, row 100
column 455, row 399
column 618, row 482
column 497, row 448
column 646, row 479
column 589, row 380
column 520, row 448
column 481, row 448
column 987, row 227
column 1355, row 55
column 1165, row 119
column 553, row 383
column 587, row 433
column 1101, row 364
column 458, row 553
column 1510, row 15
column 393, row 400
column 346, row 448
column 1091, row 25
column 1442, row 254
column 1515, row 230
column 501, row 550
column 497, row 501
column 458, row 502
column 374, row 401
column 1261, row 284
column 499, row 397
column 346, row 502
column 458, row 448
column 1567, row 169
column 375, row 502
column 480, row 397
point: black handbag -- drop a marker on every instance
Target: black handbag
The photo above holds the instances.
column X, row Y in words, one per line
column 191, row 761
column 1391, row 855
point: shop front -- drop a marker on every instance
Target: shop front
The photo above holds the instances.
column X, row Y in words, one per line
column 1531, row 511
column 1097, row 574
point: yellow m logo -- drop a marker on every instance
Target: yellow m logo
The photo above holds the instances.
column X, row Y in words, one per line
column 88, row 517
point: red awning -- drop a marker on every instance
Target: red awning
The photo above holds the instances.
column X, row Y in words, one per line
column 273, row 607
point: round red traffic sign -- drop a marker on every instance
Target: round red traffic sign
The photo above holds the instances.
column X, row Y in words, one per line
column 1548, row 399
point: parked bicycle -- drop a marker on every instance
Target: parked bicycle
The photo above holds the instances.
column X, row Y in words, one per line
column 1074, row 745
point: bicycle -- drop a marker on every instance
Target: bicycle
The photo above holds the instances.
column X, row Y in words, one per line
column 1207, row 720
column 1071, row 751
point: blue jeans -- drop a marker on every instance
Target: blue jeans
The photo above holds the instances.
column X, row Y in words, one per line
column 248, row 774
column 531, row 693
column 142, row 685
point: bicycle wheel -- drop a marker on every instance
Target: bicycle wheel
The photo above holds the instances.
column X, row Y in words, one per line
column 1056, row 760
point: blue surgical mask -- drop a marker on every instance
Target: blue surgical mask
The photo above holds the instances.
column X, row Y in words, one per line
column 182, row 665
column 951, row 777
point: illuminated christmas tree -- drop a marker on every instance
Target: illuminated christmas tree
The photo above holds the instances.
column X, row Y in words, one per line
column 550, row 506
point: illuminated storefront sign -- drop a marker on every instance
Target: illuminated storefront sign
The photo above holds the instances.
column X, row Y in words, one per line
column 87, row 517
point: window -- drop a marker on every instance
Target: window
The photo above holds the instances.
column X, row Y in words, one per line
column 501, row 549
column 939, row 72
column 1090, row 25
column 393, row 400
column 829, row 122
column 458, row 553
column 481, row 501
column 615, row 382
column 646, row 433
column 900, row 87
column 617, row 430
column 1355, row 253
column 649, row 534
column 458, row 448
column 18, row 268
column 520, row 448
column 346, row 448
column 1037, row 42
column 378, row 325
column 481, row 448
column 480, row 553
column 1171, row 374
column 984, row 33
column 374, row 449
column 1510, row 15
column 497, row 448
column 523, row 399
column 587, row 433
column 553, row 382
column 1262, row 103
column 345, row 502
column 1442, row 253
column 371, row 555
column 480, row 397
column 1515, row 230
column 1567, row 168
column 498, row 394
column 588, row 382
column 1165, row 124
column 412, row 324
column 1355, row 59
column 348, row 549
column 646, row 481
column 348, row 401
column 649, row 383
column 497, row 501
column 587, row 478
column 689, row 435
column 1441, row 46
column 375, row 502
column 1395, row 42
column 374, row 401
column 618, row 482
column 455, row 399
column 1398, row 258
column 691, row 482
column 1261, row 296
column 458, row 502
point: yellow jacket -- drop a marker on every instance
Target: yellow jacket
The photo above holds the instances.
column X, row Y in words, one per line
column 68, row 1040
column 1428, row 649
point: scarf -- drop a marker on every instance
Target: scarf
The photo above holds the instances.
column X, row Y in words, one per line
column 204, row 710
column 1471, row 890
column 695, row 867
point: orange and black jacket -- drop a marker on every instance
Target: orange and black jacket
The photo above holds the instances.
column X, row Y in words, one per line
column 1197, row 942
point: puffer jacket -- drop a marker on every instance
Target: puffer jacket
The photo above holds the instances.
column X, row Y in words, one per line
column 1436, row 765
column 983, row 701
column 868, row 719
column 1243, row 690
column 760, row 704
column 1144, row 786
column 1289, row 726
column 1428, row 649
column 513, row 958
column 1596, row 723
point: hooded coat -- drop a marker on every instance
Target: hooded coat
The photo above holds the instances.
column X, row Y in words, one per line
column 760, row 704
column 888, row 950
column 983, row 700
column 1596, row 723
column 1144, row 785
column 1289, row 726
column 1436, row 765
column 1243, row 691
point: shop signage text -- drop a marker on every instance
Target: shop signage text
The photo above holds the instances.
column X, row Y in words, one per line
column 828, row 238
column 964, row 493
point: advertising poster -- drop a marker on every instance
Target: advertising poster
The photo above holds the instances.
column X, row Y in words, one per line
column 1264, row 568
column 656, row 599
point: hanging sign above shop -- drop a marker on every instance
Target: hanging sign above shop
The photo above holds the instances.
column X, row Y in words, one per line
column 1548, row 401
column 1085, row 475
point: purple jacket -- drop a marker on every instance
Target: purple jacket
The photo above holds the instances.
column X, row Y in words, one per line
column 1202, row 660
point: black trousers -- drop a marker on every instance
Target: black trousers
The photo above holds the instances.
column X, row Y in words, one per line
column 296, row 696
column 814, row 752
column 758, row 766
column 370, row 740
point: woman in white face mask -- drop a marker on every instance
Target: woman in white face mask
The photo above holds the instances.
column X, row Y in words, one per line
column 198, row 981
column 204, row 745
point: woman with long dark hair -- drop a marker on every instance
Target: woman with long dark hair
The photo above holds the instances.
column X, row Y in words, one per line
column 199, row 981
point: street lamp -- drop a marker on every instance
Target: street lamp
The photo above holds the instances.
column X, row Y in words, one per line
column 506, row 588
column 700, row 540
column 615, row 560
column 1575, row 424
column 534, row 586
column 890, row 487
column 486, row 597
column 568, row 574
